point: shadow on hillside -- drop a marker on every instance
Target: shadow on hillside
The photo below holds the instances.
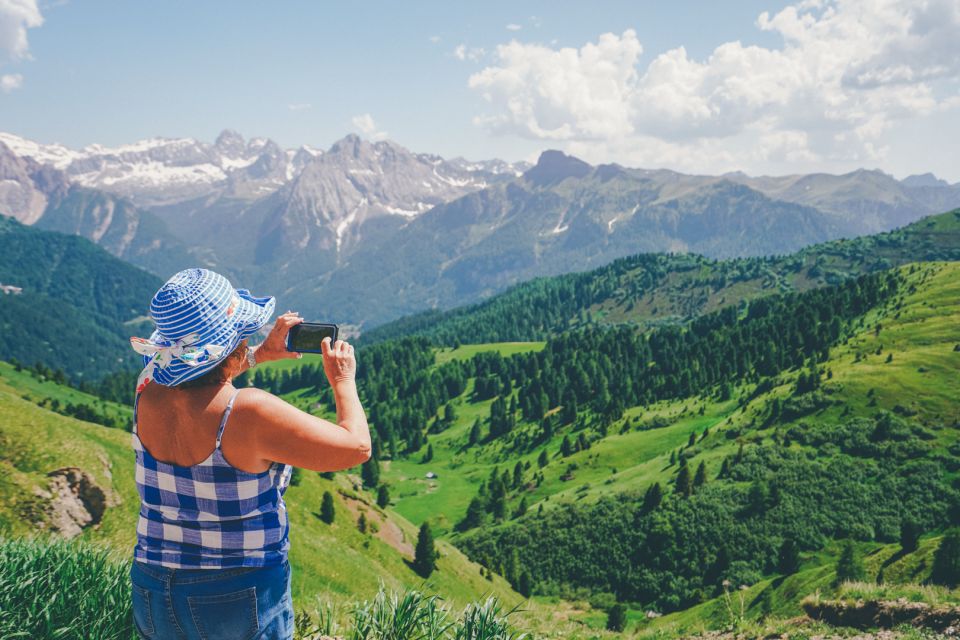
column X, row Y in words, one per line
column 901, row 553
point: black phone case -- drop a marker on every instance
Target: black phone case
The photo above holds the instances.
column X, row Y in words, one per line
column 290, row 335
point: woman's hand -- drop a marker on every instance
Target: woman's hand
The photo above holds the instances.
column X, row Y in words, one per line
column 275, row 346
column 338, row 362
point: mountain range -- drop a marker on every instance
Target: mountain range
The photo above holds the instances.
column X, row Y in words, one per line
column 365, row 232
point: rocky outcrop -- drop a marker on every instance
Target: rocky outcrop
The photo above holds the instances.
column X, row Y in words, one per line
column 75, row 501
column 885, row 614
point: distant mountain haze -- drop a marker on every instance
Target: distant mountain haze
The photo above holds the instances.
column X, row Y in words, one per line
column 366, row 232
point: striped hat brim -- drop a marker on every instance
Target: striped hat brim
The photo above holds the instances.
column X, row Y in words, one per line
column 249, row 316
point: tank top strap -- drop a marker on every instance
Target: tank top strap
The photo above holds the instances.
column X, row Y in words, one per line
column 226, row 414
column 136, row 401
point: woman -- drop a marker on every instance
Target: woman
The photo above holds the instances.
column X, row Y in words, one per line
column 213, row 461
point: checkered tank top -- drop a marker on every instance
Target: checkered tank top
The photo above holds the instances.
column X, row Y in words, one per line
column 209, row 515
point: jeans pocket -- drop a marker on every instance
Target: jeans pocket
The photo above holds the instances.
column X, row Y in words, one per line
column 142, row 616
column 226, row 615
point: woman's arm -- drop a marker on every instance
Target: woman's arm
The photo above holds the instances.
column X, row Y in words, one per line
column 283, row 433
column 340, row 366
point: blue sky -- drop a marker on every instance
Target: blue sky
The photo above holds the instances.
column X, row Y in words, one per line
column 742, row 93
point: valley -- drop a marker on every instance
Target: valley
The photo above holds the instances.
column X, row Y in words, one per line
column 591, row 451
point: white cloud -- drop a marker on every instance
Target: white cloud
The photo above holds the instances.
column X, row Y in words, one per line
column 16, row 16
column 463, row 52
column 365, row 125
column 847, row 71
column 434, row 39
column 10, row 81
column 299, row 106
column 513, row 26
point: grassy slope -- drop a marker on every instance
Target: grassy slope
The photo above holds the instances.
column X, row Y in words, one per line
column 921, row 335
column 37, row 391
column 336, row 563
column 901, row 573
column 340, row 563
column 920, row 330
column 682, row 294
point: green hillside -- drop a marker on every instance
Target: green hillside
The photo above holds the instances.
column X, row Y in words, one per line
column 654, row 289
column 767, row 409
column 78, row 307
column 875, row 446
column 871, row 419
column 333, row 565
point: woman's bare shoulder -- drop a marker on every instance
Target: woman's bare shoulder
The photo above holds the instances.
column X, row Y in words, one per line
column 263, row 404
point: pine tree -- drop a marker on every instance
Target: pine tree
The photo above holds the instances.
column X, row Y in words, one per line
column 383, row 496
column 724, row 468
column 582, row 444
column 850, row 565
column 513, row 567
column 327, row 511
column 546, row 429
column 370, row 472
column 296, row 476
column 700, row 478
column 565, row 447
column 684, row 486
column 758, row 496
column 425, row 555
column 474, row 516
column 521, row 508
column 788, row 560
column 652, row 498
column 474, row 437
column 428, row 456
column 524, row 586
column 543, row 459
column 498, row 500
column 946, row 561
column 517, row 475
column 569, row 413
column 617, row 618
column 909, row 535
column 362, row 523
column 692, row 440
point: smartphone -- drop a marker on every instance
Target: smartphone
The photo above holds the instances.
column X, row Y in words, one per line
column 307, row 336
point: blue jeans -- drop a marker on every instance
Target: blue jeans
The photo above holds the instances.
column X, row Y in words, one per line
column 208, row 604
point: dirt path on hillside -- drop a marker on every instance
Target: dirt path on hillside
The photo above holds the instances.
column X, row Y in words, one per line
column 387, row 530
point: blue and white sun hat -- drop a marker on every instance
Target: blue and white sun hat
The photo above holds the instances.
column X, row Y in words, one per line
column 200, row 320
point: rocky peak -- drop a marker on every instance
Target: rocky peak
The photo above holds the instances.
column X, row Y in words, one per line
column 554, row 166
column 924, row 180
column 350, row 146
column 230, row 143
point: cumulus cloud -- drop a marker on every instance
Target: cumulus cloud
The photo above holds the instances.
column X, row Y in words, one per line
column 365, row 125
column 846, row 72
column 16, row 16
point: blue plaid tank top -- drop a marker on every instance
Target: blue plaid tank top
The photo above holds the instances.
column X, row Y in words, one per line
column 209, row 515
